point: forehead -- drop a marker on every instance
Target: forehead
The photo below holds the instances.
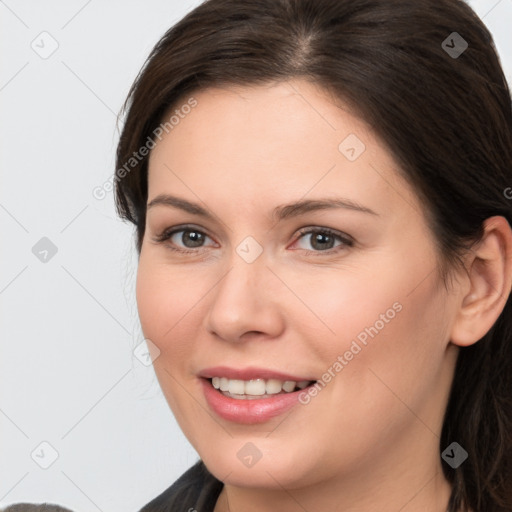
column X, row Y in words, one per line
column 285, row 140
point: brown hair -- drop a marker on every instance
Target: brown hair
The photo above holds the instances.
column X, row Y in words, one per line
column 446, row 118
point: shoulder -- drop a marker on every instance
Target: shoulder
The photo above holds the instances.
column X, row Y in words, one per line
column 196, row 489
column 34, row 507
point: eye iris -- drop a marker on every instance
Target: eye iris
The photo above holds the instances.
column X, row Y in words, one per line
column 192, row 236
column 322, row 238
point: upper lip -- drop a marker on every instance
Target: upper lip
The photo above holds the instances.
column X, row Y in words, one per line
column 249, row 373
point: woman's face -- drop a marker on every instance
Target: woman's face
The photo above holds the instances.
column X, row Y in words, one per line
column 341, row 288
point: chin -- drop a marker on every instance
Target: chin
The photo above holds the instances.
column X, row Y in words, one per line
column 274, row 470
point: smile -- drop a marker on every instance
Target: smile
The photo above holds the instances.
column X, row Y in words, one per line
column 256, row 388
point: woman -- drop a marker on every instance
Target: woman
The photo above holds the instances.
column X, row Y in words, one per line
column 321, row 196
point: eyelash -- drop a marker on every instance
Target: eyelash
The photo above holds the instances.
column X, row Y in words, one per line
column 165, row 235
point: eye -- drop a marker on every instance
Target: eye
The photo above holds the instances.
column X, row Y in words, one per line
column 323, row 240
column 190, row 238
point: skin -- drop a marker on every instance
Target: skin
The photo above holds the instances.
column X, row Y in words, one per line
column 369, row 440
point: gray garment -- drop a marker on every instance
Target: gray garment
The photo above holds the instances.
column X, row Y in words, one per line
column 32, row 507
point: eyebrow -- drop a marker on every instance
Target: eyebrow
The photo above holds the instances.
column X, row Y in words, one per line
column 280, row 212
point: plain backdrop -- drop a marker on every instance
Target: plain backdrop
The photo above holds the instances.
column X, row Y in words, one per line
column 83, row 422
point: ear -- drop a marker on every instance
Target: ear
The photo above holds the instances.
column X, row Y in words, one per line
column 489, row 281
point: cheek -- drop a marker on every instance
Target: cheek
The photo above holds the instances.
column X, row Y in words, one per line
column 163, row 301
column 151, row 296
column 392, row 354
column 165, row 305
column 383, row 324
column 343, row 307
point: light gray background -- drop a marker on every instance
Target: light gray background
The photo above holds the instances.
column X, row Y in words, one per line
column 68, row 375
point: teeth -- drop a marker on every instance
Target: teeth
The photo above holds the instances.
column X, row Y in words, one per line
column 223, row 384
column 236, row 387
column 256, row 387
column 273, row 386
column 289, row 386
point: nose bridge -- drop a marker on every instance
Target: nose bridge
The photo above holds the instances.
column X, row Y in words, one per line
column 240, row 288
column 247, row 268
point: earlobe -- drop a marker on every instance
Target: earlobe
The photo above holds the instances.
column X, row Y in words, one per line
column 489, row 279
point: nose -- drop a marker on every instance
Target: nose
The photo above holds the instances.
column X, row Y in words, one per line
column 245, row 303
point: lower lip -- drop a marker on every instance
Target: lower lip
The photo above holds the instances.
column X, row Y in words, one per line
column 248, row 411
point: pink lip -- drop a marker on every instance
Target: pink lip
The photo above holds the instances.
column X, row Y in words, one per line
column 249, row 373
column 248, row 411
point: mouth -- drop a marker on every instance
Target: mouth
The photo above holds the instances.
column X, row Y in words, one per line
column 256, row 389
column 251, row 396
